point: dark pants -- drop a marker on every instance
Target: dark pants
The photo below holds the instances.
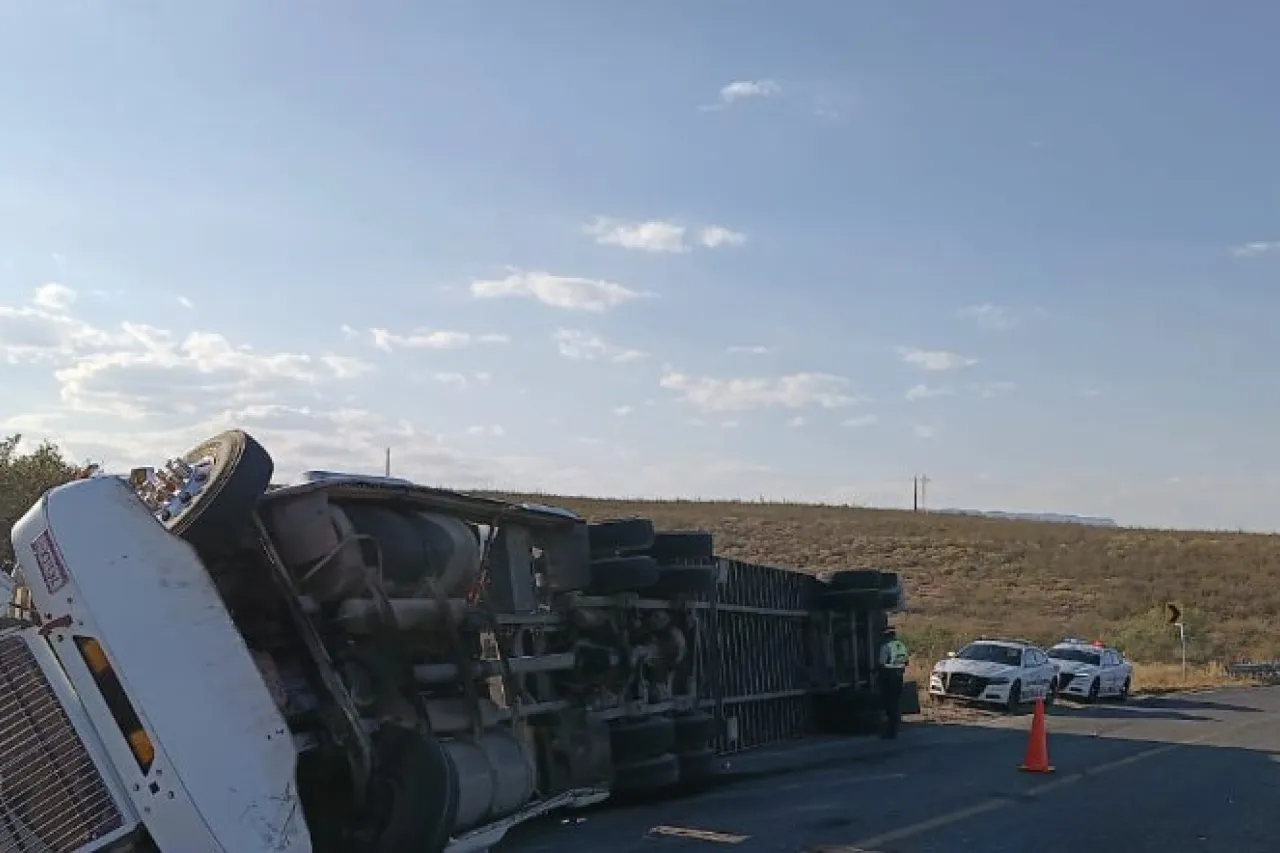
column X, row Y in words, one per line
column 891, row 699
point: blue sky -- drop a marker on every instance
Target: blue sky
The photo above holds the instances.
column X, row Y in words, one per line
column 711, row 249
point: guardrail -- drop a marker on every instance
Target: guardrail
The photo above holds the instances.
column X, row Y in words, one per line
column 1256, row 670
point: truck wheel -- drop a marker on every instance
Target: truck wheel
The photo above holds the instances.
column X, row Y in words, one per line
column 698, row 768
column 850, row 599
column 674, row 580
column 855, row 579
column 620, row 535
column 413, row 795
column 671, row 545
column 639, row 740
column 646, row 777
column 846, row 712
column 231, row 471
column 613, row 575
column 694, row 731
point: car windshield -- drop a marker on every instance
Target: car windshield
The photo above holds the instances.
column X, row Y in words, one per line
column 1076, row 655
column 1007, row 655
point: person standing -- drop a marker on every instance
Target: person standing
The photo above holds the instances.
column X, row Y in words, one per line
column 893, row 664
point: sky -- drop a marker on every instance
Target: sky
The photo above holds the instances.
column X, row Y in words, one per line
column 732, row 248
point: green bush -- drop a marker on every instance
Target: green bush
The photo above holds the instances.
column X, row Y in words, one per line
column 24, row 477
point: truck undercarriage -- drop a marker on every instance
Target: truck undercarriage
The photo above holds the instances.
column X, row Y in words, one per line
column 363, row 664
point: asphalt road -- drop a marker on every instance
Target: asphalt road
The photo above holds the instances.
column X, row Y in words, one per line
column 1191, row 772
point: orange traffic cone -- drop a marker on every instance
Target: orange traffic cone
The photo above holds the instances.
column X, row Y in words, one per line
column 1037, row 758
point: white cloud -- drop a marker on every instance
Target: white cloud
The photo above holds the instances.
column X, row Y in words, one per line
column 923, row 431
column 461, row 380
column 586, row 346
column 729, row 424
column 386, row 340
column 924, row 392
column 136, row 371
column 987, row 390
column 29, row 334
column 752, row 350
column 741, row 90
column 345, row 366
column 1253, row 250
column 574, row 294
column 991, row 317
column 185, row 302
column 660, row 236
column 161, row 373
column 793, row 391
column 621, row 411
column 652, row 236
column 934, row 359
column 860, row 421
column 54, row 297
column 797, row 421
column 492, row 430
column 715, row 236
column 304, row 437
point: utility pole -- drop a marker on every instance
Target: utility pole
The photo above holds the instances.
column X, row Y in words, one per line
column 924, row 501
column 387, row 464
column 915, row 494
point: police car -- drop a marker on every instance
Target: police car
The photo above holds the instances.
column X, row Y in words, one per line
column 995, row 672
column 1091, row 671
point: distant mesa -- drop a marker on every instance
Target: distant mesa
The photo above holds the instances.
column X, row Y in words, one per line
column 1051, row 517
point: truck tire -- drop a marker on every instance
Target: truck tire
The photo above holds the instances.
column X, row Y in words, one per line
column 847, row 712
column 671, row 545
column 613, row 575
column 694, row 731
column 698, row 768
column 646, row 777
column 674, row 580
column 620, row 535
column 413, row 795
column 855, row 579
column 639, row 740
column 239, row 473
column 850, row 599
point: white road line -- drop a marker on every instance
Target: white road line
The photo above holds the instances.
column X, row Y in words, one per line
column 939, row 821
column 734, row 793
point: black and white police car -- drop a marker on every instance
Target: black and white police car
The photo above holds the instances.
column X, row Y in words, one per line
column 995, row 672
column 1091, row 671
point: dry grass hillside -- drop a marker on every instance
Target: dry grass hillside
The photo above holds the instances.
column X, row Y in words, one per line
column 964, row 575
column 968, row 575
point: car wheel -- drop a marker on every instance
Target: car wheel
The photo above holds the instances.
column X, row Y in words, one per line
column 1094, row 688
column 1051, row 693
column 1124, row 691
column 1015, row 697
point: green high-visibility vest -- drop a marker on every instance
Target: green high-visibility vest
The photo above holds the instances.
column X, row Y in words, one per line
column 898, row 654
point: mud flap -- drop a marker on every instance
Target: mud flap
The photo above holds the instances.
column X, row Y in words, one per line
column 910, row 698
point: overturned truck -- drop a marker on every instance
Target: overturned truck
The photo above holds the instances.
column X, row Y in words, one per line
column 204, row 662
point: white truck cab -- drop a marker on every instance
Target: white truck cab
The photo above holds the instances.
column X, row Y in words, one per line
column 137, row 692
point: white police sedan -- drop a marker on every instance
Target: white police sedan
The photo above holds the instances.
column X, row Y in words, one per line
column 995, row 672
column 1091, row 671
